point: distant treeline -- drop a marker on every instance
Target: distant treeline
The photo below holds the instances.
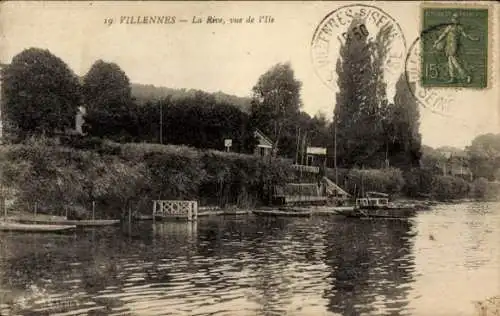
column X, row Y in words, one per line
column 42, row 97
column 147, row 93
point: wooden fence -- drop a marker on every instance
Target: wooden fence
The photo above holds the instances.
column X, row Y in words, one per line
column 175, row 209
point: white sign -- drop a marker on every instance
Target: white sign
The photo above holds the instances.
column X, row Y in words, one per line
column 228, row 142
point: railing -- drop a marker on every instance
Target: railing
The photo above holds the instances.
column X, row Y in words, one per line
column 175, row 209
column 304, row 168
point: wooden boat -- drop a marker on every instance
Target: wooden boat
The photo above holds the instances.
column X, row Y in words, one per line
column 34, row 228
column 283, row 212
column 377, row 205
column 380, row 213
column 380, row 201
column 77, row 223
column 224, row 213
column 142, row 217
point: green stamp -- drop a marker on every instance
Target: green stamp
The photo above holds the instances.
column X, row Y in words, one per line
column 454, row 47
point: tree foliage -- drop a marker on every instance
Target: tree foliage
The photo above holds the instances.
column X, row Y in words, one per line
column 108, row 101
column 361, row 103
column 404, row 140
column 276, row 102
column 40, row 92
column 484, row 156
column 199, row 121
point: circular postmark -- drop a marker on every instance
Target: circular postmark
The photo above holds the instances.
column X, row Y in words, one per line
column 355, row 21
column 434, row 99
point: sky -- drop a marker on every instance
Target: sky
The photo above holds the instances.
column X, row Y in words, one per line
column 231, row 57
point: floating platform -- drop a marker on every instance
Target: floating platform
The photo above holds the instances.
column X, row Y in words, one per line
column 224, row 213
column 34, row 228
column 332, row 210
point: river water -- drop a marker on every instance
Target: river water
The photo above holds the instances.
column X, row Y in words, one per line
column 435, row 264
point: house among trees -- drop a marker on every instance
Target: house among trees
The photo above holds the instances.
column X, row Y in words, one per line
column 457, row 165
column 316, row 156
column 264, row 144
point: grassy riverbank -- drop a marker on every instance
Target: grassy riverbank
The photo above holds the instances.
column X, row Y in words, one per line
column 66, row 178
column 62, row 179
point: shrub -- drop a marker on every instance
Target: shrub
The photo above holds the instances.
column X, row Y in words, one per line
column 117, row 176
column 388, row 181
column 449, row 187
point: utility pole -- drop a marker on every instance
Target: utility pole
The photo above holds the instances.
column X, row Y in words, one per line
column 161, row 122
column 335, row 149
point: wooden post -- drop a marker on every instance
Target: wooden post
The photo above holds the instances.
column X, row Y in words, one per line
column 195, row 204
column 93, row 210
column 36, row 206
column 129, row 215
column 154, row 211
column 4, row 208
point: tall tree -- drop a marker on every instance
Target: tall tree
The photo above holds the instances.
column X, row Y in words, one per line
column 403, row 129
column 107, row 97
column 276, row 101
column 356, row 115
column 41, row 93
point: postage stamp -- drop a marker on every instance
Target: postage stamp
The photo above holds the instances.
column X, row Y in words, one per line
column 455, row 47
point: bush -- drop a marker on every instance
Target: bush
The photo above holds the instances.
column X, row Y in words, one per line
column 449, row 187
column 388, row 181
column 482, row 189
column 64, row 179
column 418, row 182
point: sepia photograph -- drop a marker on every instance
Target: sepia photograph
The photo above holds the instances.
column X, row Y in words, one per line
column 250, row 158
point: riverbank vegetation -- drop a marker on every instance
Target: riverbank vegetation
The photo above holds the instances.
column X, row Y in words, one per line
column 116, row 161
column 60, row 178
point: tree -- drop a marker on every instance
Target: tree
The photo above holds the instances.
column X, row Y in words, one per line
column 404, row 147
column 41, row 93
column 361, row 109
column 109, row 103
column 484, row 155
column 276, row 101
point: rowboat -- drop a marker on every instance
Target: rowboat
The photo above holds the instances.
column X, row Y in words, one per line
column 34, row 228
column 142, row 217
column 389, row 213
column 71, row 222
column 289, row 213
column 331, row 210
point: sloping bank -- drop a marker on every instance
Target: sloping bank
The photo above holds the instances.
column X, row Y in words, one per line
column 118, row 177
column 415, row 183
column 62, row 179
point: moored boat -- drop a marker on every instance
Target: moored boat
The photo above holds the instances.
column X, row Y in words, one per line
column 34, row 228
column 282, row 212
column 71, row 222
column 377, row 205
column 389, row 213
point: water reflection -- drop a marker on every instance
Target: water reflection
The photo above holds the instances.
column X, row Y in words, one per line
column 249, row 266
column 371, row 265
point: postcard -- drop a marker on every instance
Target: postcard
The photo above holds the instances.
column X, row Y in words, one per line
column 249, row 158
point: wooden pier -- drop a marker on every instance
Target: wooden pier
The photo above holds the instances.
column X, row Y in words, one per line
column 175, row 209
